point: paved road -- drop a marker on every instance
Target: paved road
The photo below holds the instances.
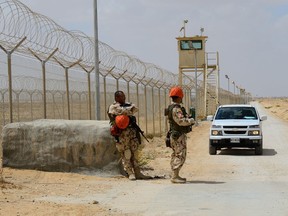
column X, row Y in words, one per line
column 234, row 182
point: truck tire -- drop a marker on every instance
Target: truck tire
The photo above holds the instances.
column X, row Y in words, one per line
column 259, row 149
column 212, row 149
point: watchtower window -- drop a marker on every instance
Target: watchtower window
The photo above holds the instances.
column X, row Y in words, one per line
column 191, row 44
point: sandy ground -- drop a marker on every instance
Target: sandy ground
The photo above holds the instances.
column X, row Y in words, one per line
column 30, row 192
column 278, row 106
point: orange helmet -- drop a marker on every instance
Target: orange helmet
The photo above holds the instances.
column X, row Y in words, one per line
column 176, row 92
column 122, row 121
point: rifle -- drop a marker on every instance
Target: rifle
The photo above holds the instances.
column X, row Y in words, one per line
column 167, row 140
column 138, row 129
column 126, row 105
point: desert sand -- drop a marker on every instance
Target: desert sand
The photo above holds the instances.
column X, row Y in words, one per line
column 26, row 192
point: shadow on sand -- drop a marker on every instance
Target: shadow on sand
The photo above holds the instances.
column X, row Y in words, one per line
column 204, row 182
column 246, row 152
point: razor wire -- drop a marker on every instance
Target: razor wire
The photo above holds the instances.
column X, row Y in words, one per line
column 42, row 36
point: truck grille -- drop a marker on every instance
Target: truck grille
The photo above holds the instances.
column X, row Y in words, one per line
column 235, row 132
column 235, row 126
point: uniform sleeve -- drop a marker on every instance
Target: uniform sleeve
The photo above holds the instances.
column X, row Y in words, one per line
column 116, row 109
column 179, row 117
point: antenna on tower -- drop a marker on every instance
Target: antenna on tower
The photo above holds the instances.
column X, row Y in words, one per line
column 201, row 30
column 183, row 27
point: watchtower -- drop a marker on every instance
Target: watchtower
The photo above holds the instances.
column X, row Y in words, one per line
column 190, row 47
column 194, row 58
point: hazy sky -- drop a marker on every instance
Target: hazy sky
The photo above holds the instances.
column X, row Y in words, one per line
column 251, row 36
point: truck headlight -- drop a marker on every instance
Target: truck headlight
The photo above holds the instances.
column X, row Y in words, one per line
column 216, row 133
column 254, row 133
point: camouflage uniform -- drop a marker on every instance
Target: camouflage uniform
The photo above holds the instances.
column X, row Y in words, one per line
column 128, row 142
column 179, row 138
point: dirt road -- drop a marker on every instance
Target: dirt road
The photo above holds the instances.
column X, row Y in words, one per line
column 233, row 182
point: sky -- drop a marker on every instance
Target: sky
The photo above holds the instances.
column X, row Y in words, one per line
column 249, row 35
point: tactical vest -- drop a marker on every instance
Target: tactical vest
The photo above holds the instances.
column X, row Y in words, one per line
column 174, row 127
column 116, row 132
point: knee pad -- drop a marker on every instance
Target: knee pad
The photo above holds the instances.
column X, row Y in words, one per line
column 127, row 154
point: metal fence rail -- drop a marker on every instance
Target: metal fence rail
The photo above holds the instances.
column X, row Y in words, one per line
column 45, row 72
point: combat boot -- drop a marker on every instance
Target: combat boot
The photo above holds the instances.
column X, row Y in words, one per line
column 132, row 177
column 176, row 178
column 140, row 175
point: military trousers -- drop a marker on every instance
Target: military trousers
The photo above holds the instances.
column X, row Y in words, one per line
column 127, row 146
column 179, row 147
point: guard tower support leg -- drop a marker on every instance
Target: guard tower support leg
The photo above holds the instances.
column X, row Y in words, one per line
column 205, row 89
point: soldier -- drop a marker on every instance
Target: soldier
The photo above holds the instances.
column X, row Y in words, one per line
column 126, row 135
column 180, row 124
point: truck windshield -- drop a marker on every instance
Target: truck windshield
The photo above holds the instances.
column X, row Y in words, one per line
column 236, row 113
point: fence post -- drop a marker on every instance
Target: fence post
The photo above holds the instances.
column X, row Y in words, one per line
column 9, row 56
column 89, row 88
column 43, row 64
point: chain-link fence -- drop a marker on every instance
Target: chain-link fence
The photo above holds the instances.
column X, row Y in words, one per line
column 48, row 72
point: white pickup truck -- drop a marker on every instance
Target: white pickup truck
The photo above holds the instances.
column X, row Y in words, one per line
column 237, row 125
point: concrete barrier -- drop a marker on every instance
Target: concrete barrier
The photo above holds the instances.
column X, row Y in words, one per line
column 58, row 145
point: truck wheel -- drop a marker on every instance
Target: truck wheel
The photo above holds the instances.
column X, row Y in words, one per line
column 259, row 149
column 212, row 149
